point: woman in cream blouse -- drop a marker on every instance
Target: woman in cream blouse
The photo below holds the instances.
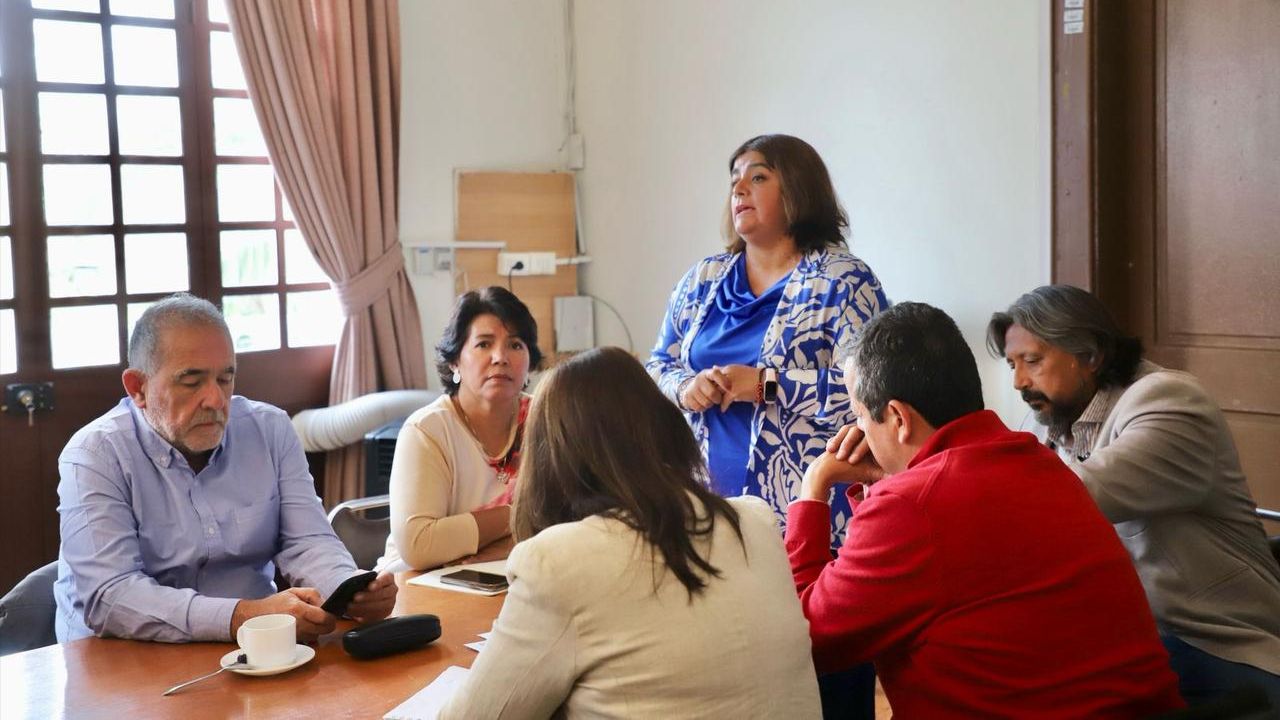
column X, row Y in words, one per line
column 635, row 590
column 456, row 459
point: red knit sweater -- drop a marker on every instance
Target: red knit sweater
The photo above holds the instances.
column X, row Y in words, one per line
column 983, row 582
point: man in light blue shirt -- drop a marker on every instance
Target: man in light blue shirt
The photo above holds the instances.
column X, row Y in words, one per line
column 178, row 504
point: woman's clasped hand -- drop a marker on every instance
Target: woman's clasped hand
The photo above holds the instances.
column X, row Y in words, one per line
column 720, row 386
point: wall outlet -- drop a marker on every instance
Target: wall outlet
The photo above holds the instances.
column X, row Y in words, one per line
column 532, row 263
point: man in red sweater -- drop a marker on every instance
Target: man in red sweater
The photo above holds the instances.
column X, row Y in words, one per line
column 977, row 573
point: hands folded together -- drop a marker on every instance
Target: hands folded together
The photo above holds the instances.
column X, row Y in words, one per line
column 720, row 385
column 848, row 459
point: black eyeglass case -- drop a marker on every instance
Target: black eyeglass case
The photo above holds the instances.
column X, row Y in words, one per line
column 390, row 636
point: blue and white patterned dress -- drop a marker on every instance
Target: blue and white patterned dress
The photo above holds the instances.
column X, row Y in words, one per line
column 828, row 297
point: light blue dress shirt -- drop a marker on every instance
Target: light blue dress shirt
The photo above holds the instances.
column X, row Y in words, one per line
column 152, row 551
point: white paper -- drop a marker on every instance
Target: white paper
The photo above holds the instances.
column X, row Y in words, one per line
column 432, row 579
column 486, row 635
column 427, row 703
column 477, row 645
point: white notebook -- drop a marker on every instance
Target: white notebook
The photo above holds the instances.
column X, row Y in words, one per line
column 427, row 703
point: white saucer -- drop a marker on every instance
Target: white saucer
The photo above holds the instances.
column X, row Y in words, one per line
column 302, row 654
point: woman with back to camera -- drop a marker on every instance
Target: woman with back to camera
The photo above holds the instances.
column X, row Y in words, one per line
column 635, row 591
column 456, row 459
column 754, row 338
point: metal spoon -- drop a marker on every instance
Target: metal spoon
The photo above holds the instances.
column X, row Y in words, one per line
column 241, row 659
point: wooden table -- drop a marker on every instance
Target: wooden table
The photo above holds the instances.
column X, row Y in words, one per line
column 110, row 678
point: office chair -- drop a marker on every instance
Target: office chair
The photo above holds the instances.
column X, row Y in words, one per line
column 26, row 612
column 365, row 538
column 1274, row 540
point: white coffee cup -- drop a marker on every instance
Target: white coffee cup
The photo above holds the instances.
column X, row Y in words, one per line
column 268, row 640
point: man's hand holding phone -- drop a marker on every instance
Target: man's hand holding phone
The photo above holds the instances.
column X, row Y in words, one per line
column 364, row 597
column 375, row 601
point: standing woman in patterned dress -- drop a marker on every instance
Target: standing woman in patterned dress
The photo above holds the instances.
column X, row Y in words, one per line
column 754, row 338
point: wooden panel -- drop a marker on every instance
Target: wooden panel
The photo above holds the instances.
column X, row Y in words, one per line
column 1254, row 435
column 292, row 379
column 1073, row 154
column 1215, row 245
column 1125, row 152
column 1239, row 380
column 28, row 489
column 1222, row 172
column 529, row 212
column 29, row 473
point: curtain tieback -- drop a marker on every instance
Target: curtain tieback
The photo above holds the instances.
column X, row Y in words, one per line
column 365, row 287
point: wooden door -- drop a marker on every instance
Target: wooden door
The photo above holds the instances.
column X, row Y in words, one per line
column 1185, row 189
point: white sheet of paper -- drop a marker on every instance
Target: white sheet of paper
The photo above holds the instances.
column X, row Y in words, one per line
column 427, row 703
column 477, row 645
column 432, row 578
column 486, row 635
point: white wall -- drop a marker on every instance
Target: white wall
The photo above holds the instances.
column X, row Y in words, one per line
column 482, row 87
column 932, row 117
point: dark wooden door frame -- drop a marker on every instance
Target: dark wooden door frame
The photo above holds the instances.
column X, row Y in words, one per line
column 1104, row 114
column 1074, row 233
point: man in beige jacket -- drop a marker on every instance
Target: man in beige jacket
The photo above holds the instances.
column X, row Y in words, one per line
column 1155, row 452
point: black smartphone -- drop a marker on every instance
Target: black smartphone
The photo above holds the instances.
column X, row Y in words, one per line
column 341, row 598
column 488, row 582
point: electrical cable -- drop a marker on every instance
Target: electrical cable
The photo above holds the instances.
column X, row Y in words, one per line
column 517, row 265
column 631, row 346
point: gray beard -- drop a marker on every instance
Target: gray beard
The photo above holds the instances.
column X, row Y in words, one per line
column 1059, row 418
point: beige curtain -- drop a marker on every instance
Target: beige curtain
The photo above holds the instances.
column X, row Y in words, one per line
column 324, row 77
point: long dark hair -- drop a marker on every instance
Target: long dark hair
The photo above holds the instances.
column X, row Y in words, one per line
column 814, row 216
column 601, row 439
column 492, row 300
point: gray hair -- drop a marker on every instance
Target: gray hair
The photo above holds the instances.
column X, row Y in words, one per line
column 176, row 310
column 1075, row 321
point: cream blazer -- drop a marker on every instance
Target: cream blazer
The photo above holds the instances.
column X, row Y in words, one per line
column 1164, row 470
column 584, row 633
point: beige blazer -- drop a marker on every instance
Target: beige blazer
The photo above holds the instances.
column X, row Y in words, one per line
column 1164, row 469
column 583, row 632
